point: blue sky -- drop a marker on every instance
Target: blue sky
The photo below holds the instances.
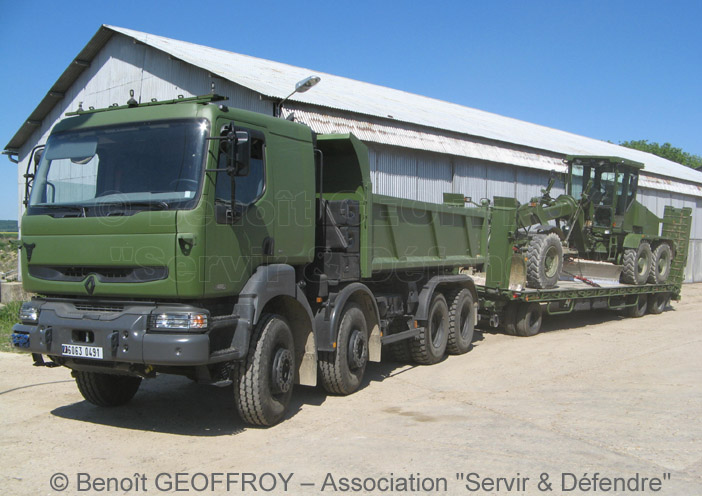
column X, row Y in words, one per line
column 612, row 70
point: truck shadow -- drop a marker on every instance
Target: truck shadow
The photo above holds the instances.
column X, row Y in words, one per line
column 176, row 405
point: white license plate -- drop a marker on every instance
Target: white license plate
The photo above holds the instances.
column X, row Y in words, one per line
column 75, row 350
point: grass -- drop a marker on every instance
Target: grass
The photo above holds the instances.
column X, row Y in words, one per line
column 8, row 318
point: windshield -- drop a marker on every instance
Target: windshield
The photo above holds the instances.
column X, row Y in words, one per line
column 129, row 167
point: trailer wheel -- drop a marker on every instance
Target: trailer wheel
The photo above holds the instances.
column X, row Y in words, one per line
column 106, row 389
column 461, row 322
column 661, row 263
column 544, row 261
column 342, row 370
column 637, row 264
column 263, row 381
column 529, row 318
column 430, row 346
column 509, row 318
column 638, row 310
column 657, row 302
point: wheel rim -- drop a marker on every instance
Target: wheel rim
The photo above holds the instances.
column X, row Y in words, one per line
column 437, row 328
column 358, row 352
column 642, row 265
column 663, row 263
column 282, row 371
column 466, row 324
column 551, row 262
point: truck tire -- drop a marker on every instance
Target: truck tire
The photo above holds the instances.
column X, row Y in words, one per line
column 430, row 346
column 398, row 351
column 636, row 264
column 638, row 310
column 544, row 261
column 106, row 389
column 657, row 302
column 660, row 265
column 342, row 370
column 461, row 322
column 529, row 318
column 509, row 318
column 263, row 381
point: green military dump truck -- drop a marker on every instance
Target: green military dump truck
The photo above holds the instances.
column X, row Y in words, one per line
column 187, row 237
column 243, row 250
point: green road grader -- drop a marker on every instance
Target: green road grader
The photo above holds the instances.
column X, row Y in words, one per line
column 596, row 231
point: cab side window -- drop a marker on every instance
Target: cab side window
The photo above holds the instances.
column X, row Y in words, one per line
column 250, row 187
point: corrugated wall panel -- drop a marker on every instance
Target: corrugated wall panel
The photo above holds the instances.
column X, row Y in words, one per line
column 434, row 177
column 396, row 174
column 530, row 183
column 695, row 263
column 469, row 179
column 501, row 181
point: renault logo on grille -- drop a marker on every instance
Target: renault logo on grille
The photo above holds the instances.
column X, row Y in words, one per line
column 90, row 285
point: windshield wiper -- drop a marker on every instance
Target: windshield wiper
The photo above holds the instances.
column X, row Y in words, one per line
column 72, row 208
column 153, row 204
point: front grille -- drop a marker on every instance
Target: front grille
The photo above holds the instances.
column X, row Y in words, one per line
column 103, row 274
column 99, row 307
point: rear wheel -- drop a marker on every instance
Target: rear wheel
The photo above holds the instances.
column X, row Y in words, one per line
column 529, row 318
column 400, row 350
column 106, row 389
column 263, row 382
column 638, row 310
column 660, row 266
column 461, row 322
column 637, row 264
column 430, row 346
column 342, row 370
column 658, row 302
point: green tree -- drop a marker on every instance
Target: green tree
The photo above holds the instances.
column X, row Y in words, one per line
column 666, row 150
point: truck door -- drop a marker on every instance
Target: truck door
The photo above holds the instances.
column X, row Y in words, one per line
column 236, row 233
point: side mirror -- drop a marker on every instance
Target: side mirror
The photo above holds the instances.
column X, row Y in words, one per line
column 242, row 142
column 37, row 158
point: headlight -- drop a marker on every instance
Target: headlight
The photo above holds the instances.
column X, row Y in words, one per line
column 178, row 321
column 29, row 313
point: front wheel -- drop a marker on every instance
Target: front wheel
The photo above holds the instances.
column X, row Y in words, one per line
column 263, row 382
column 529, row 318
column 544, row 261
column 106, row 389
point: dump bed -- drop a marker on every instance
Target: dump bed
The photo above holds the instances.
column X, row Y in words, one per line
column 410, row 234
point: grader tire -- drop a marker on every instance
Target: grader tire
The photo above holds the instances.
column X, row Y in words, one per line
column 637, row 264
column 660, row 265
column 544, row 261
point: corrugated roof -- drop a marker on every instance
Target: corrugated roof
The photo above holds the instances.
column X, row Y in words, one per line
column 276, row 80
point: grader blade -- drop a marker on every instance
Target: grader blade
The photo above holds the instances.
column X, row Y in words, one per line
column 517, row 273
column 604, row 273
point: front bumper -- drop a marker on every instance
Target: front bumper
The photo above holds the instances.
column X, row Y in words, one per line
column 121, row 332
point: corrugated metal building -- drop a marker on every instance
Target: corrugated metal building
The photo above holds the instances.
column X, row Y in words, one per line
column 420, row 147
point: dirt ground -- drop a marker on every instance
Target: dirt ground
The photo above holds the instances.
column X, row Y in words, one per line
column 594, row 394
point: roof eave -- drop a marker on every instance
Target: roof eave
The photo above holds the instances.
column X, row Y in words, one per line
column 57, row 92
